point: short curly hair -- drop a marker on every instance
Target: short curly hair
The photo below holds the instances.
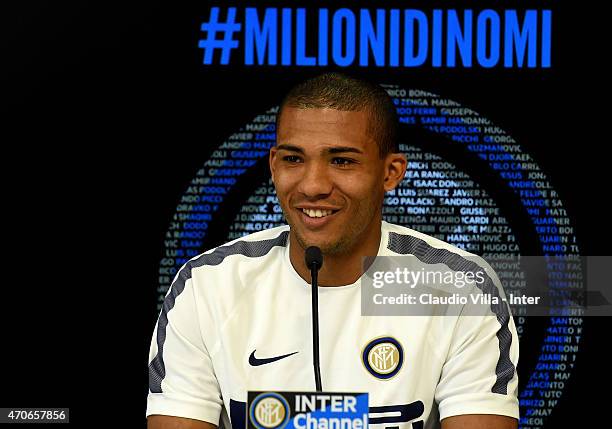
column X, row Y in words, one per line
column 341, row 92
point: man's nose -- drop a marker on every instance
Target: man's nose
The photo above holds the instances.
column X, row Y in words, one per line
column 316, row 180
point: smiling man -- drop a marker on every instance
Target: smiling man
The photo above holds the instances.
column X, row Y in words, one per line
column 237, row 317
column 330, row 181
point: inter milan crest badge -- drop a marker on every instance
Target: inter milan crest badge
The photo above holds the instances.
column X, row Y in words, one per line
column 383, row 357
column 269, row 411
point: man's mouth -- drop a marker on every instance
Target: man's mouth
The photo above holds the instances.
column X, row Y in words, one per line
column 315, row 218
column 317, row 212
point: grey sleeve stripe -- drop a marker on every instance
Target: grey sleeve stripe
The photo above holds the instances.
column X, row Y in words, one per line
column 407, row 244
column 251, row 249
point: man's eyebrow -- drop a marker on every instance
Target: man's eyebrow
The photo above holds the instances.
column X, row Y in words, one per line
column 341, row 149
column 289, row 148
column 331, row 150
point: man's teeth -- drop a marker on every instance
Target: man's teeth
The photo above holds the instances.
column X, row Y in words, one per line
column 317, row 213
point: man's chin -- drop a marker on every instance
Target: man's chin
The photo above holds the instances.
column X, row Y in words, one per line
column 327, row 247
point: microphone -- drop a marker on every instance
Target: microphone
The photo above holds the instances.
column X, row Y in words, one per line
column 314, row 261
column 314, row 258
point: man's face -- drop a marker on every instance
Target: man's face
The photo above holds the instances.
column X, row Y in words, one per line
column 329, row 178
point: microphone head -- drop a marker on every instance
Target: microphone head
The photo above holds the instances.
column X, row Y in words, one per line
column 314, row 258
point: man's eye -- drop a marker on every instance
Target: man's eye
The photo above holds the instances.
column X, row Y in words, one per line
column 291, row 158
column 342, row 161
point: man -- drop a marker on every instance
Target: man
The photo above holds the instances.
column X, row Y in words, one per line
column 238, row 318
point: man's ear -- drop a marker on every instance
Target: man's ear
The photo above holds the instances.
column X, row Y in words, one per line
column 395, row 170
column 271, row 158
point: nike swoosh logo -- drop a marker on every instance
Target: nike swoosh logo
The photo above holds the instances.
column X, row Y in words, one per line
column 253, row 361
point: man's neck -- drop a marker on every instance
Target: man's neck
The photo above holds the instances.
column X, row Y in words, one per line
column 338, row 269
